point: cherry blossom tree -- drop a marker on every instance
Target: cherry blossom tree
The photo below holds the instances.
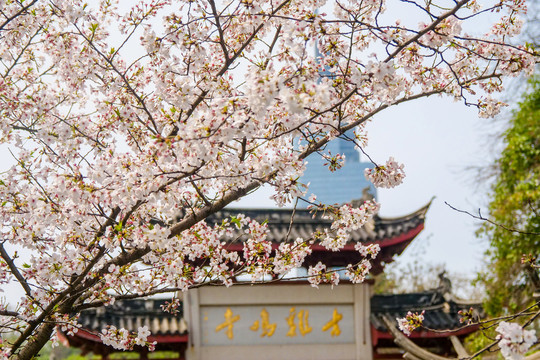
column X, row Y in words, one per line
column 129, row 127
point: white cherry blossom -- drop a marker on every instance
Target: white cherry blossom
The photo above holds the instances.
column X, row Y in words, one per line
column 514, row 341
column 130, row 129
column 386, row 176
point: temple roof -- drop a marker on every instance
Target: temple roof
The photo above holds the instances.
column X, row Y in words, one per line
column 441, row 312
column 392, row 234
column 132, row 314
column 379, row 230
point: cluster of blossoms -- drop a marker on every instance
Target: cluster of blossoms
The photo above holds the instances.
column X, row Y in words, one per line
column 489, row 107
column 514, row 341
column 257, row 255
column 290, row 256
column 358, row 273
column 445, row 31
column 121, row 339
column 335, row 162
column 4, row 273
column 410, row 322
column 386, row 176
column 317, row 274
column 257, row 251
column 368, row 251
column 355, row 273
column 172, row 306
column 68, row 324
column 346, row 219
column 467, row 316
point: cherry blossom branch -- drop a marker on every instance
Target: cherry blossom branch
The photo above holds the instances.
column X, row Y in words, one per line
column 319, row 144
column 9, row 313
column 429, row 28
column 490, row 323
column 31, row 176
column 232, row 59
column 13, row 268
column 11, row 18
column 122, row 75
column 271, row 47
column 222, row 41
column 21, row 52
column 84, row 306
column 35, row 323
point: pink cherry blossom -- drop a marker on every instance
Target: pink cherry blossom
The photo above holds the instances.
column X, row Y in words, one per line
column 386, row 176
column 514, row 341
column 410, row 322
column 130, row 129
column 318, row 274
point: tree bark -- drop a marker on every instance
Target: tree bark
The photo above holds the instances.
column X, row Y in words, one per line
column 36, row 343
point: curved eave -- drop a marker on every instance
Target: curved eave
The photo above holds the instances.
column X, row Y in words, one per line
column 390, row 247
column 393, row 235
column 383, row 243
column 420, row 212
column 379, row 235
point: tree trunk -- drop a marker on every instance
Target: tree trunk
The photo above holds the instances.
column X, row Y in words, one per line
column 36, row 343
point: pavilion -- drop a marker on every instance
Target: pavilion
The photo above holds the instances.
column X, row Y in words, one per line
column 187, row 336
column 290, row 319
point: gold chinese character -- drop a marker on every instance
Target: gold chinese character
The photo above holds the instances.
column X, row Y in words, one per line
column 303, row 323
column 229, row 322
column 267, row 328
column 290, row 322
column 336, row 318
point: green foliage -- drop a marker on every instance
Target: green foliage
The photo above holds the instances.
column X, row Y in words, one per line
column 61, row 352
column 479, row 340
column 124, row 355
column 515, row 205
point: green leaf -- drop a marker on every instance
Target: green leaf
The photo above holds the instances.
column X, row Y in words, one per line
column 515, row 204
column 235, row 221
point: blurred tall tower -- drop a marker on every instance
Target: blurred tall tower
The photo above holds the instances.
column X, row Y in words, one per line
column 343, row 185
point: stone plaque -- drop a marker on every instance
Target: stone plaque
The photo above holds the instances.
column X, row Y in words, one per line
column 277, row 324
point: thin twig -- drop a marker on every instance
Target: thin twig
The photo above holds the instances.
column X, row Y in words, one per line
column 480, row 217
